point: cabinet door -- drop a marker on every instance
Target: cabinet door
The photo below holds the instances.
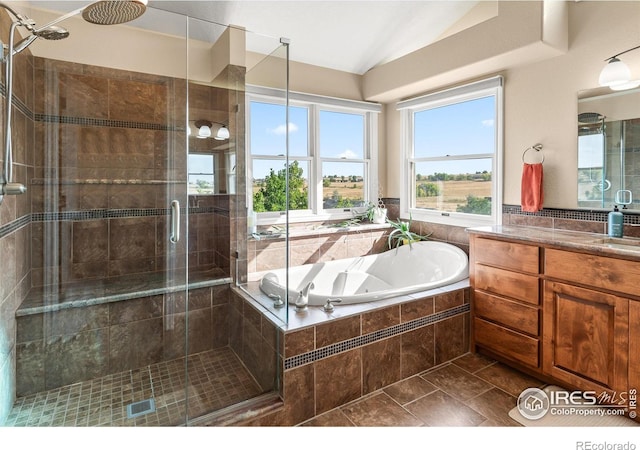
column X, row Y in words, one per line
column 585, row 337
column 634, row 347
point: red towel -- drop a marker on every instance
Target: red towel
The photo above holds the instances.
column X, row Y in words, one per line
column 531, row 194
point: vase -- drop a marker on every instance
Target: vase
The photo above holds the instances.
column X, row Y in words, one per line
column 379, row 215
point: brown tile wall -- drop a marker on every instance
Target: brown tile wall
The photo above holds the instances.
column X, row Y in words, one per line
column 318, row 246
column 256, row 340
column 316, row 387
column 91, row 166
column 79, row 344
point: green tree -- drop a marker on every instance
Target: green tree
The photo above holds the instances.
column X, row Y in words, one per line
column 272, row 196
column 476, row 205
column 427, row 190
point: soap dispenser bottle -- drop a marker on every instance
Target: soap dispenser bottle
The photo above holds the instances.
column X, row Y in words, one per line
column 616, row 219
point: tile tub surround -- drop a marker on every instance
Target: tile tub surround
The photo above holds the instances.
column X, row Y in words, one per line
column 96, row 337
column 314, row 242
column 329, row 360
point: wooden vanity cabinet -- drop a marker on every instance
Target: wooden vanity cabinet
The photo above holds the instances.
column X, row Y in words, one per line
column 585, row 337
column 568, row 316
column 506, row 299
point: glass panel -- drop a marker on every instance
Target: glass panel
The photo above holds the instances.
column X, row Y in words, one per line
column 454, row 186
column 342, row 185
column 341, row 135
column 267, row 249
column 268, row 130
column 466, row 128
column 222, row 367
column 105, row 313
column 269, row 182
column 126, row 305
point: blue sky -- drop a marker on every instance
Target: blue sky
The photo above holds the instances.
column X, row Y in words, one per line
column 341, row 136
column 465, row 128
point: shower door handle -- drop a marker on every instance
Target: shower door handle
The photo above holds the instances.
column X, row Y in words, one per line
column 175, row 222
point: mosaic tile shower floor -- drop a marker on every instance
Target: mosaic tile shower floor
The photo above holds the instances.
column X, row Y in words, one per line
column 217, row 379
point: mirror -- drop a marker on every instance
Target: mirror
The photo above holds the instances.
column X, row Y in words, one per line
column 609, row 149
column 211, row 166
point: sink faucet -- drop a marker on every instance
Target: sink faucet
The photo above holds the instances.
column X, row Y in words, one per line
column 303, row 296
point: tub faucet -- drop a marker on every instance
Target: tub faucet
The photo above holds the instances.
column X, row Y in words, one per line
column 303, row 296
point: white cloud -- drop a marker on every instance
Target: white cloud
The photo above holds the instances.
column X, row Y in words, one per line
column 281, row 129
column 487, row 123
column 348, row 154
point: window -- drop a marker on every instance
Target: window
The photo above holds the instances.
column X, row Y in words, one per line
column 332, row 154
column 453, row 154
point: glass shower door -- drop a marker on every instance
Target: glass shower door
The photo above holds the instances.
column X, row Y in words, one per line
column 102, row 330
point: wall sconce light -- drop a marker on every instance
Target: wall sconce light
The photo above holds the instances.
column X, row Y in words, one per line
column 204, row 130
column 616, row 74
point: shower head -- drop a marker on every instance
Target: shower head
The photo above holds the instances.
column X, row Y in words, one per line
column 590, row 117
column 51, row 33
column 114, row 12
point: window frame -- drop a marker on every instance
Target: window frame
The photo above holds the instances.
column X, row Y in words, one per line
column 315, row 104
column 408, row 108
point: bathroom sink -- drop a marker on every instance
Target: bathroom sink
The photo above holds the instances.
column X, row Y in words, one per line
column 621, row 243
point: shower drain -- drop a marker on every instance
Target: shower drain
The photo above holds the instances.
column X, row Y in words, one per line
column 140, row 408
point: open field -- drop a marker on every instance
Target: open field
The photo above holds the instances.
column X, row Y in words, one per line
column 454, row 193
column 350, row 190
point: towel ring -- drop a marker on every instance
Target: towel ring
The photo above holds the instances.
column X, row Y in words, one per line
column 537, row 148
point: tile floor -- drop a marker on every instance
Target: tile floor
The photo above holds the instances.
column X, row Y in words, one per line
column 217, row 379
column 470, row 391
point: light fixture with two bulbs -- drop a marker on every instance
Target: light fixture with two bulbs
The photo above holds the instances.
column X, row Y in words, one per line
column 616, row 74
column 204, row 130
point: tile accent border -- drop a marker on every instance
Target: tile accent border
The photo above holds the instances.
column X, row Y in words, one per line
column 97, row 214
column 632, row 218
column 359, row 341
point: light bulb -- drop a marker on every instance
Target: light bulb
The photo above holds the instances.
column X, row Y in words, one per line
column 614, row 73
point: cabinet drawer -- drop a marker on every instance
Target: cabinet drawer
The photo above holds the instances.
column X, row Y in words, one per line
column 596, row 271
column 508, row 255
column 509, row 343
column 509, row 284
column 512, row 314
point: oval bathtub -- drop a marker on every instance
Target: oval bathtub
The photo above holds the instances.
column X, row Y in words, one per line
column 405, row 270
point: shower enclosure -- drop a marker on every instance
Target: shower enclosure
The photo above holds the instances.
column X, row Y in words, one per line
column 117, row 304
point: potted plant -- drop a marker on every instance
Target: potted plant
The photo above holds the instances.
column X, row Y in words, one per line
column 376, row 213
column 402, row 234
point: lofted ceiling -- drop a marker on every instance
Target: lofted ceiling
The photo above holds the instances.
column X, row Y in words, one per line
column 351, row 36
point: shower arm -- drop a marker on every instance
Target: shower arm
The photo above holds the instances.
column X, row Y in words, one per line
column 8, row 187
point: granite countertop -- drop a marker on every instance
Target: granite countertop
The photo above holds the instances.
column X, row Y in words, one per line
column 595, row 243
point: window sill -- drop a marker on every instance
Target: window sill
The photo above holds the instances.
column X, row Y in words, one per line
column 317, row 230
column 454, row 220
